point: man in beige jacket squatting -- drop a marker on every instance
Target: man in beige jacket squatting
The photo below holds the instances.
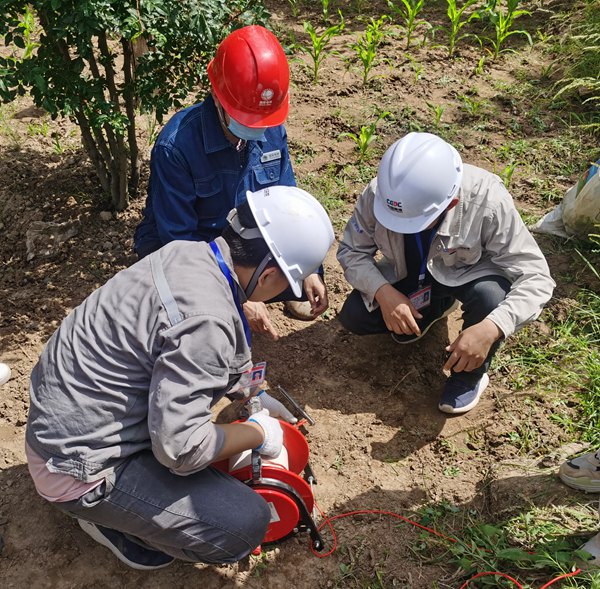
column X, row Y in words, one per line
column 446, row 231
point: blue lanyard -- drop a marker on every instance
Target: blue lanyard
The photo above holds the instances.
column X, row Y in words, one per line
column 424, row 255
column 233, row 287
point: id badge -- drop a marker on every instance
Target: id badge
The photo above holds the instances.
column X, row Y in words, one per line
column 258, row 374
column 421, row 298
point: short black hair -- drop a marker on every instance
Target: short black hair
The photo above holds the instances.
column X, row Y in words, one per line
column 248, row 253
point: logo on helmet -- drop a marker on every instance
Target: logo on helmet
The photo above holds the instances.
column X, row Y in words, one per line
column 266, row 97
column 394, row 205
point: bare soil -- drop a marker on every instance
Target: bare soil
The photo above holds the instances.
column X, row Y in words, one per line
column 379, row 441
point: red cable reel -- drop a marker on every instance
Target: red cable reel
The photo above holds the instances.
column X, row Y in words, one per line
column 278, row 481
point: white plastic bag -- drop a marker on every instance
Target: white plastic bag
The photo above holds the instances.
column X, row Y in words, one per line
column 579, row 213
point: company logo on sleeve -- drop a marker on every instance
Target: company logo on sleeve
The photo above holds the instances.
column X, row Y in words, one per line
column 355, row 225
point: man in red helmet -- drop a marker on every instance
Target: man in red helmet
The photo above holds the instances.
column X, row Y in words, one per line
column 208, row 156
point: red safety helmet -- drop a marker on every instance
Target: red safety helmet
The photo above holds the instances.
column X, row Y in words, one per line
column 250, row 76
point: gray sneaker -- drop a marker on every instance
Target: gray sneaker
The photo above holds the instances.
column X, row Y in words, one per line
column 582, row 473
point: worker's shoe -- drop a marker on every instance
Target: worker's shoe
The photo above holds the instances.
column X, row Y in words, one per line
column 461, row 395
column 449, row 305
column 582, row 473
column 4, row 373
column 299, row 309
column 127, row 551
column 593, row 547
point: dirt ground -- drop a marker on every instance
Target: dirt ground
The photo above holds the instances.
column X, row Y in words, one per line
column 379, row 441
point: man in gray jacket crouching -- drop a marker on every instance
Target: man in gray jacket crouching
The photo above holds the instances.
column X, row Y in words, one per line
column 120, row 434
column 446, row 232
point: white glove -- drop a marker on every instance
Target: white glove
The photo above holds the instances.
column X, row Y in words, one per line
column 271, row 447
column 275, row 408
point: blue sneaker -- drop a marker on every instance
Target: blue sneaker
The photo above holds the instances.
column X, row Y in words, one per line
column 460, row 396
column 127, row 551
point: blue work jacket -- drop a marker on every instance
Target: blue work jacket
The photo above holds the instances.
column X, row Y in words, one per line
column 197, row 176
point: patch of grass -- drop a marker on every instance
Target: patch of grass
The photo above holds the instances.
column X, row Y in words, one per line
column 534, row 546
column 328, row 187
column 565, row 360
column 7, row 126
column 581, row 54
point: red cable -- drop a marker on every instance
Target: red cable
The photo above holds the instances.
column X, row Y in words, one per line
column 327, row 522
column 575, row 572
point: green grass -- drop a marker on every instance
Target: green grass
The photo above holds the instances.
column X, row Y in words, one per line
column 581, row 61
column 533, row 546
column 7, row 126
column 562, row 363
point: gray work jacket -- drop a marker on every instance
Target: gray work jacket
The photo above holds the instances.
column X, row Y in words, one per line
column 483, row 235
column 138, row 365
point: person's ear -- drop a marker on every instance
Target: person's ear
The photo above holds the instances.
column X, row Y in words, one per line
column 267, row 276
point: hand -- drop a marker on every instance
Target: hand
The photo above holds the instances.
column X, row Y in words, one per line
column 398, row 312
column 316, row 292
column 258, row 318
column 470, row 349
column 275, row 407
column 271, row 447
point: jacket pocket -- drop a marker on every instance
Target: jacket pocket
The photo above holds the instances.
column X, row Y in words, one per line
column 209, row 197
column 268, row 173
column 468, row 256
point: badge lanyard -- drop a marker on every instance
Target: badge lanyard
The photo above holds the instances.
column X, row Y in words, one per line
column 233, row 287
column 424, row 255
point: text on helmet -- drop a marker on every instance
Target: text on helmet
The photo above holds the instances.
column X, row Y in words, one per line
column 394, row 205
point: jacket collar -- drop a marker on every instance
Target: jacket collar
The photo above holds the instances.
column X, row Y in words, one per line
column 212, row 132
column 452, row 222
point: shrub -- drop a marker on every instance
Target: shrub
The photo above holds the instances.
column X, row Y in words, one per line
column 98, row 61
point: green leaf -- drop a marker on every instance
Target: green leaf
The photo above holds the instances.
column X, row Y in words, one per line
column 514, row 554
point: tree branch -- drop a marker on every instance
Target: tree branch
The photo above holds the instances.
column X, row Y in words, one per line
column 128, row 93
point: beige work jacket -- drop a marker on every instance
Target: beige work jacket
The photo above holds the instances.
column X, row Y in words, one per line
column 483, row 235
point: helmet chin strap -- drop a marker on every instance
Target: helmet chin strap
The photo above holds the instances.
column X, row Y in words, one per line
column 251, row 286
column 249, row 233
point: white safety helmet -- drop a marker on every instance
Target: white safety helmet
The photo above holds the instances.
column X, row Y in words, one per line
column 295, row 227
column 417, row 179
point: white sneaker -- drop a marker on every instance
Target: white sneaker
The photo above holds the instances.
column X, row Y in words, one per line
column 5, row 373
column 593, row 547
column 299, row 309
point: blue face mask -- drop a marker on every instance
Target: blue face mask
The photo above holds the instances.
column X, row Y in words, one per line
column 246, row 133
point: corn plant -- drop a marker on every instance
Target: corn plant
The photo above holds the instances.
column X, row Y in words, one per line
column 480, row 67
column 366, row 46
column 294, row 7
column 458, row 19
column 318, row 43
column 417, row 67
column 365, row 137
column 27, row 26
column 474, row 108
column 437, row 110
column 507, row 173
column 325, row 6
column 503, row 22
column 408, row 11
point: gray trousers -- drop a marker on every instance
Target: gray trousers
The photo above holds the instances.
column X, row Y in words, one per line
column 205, row 517
column 479, row 298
